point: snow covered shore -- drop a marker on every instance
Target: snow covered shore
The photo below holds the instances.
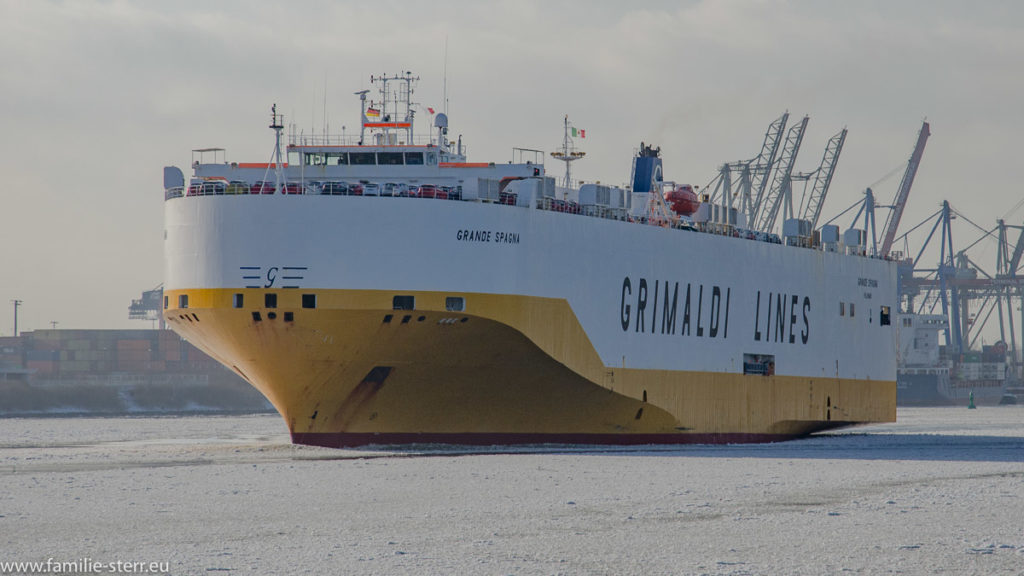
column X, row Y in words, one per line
column 940, row 491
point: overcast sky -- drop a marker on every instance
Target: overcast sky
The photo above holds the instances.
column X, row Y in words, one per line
column 98, row 97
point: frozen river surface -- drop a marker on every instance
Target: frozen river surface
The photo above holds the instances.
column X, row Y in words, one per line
column 939, row 492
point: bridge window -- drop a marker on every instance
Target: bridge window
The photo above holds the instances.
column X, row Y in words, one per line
column 390, row 158
column 454, row 304
column 315, row 159
column 270, row 300
column 337, row 158
column 183, row 301
column 362, row 158
column 238, row 300
column 309, row 300
column 414, row 158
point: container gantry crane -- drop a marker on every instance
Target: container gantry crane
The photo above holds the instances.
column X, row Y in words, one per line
column 892, row 223
column 781, row 189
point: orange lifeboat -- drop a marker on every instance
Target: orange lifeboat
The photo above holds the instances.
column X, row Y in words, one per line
column 682, row 199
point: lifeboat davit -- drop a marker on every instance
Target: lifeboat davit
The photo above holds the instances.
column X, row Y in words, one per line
column 682, row 199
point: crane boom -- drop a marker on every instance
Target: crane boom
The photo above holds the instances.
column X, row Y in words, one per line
column 823, row 178
column 783, row 177
column 1018, row 250
column 893, row 222
column 762, row 165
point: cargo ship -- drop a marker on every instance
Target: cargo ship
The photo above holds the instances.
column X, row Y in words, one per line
column 929, row 376
column 380, row 288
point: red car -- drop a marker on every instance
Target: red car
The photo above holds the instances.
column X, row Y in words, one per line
column 262, row 187
column 430, row 191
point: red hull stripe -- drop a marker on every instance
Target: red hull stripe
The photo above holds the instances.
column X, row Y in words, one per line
column 352, row 439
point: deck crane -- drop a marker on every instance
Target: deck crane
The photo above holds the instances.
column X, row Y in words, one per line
column 893, row 221
column 811, row 210
column 782, row 184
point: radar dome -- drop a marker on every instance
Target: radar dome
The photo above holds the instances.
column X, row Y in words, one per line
column 441, row 120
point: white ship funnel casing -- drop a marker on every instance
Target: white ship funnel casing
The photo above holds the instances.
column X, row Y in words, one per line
column 647, row 297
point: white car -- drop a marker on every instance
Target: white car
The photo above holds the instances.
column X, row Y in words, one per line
column 371, row 189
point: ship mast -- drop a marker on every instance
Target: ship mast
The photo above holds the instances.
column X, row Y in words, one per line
column 362, row 114
column 568, row 153
column 277, row 127
column 389, row 116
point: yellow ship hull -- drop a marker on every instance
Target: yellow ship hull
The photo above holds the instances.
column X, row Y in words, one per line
column 518, row 369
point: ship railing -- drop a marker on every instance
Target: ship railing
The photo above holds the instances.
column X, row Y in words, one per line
column 353, row 140
column 545, row 203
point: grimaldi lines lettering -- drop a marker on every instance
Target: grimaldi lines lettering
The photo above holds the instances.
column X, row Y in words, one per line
column 662, row 307
column 779, row 313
